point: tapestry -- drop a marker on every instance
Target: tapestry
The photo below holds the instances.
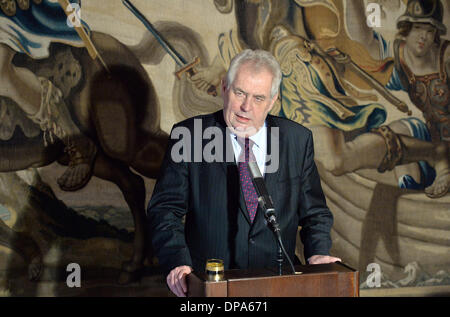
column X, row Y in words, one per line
column 89, row 92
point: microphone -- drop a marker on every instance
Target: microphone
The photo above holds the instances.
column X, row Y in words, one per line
column 264, row 199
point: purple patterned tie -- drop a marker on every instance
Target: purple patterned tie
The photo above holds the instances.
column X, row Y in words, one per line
column 250, row 196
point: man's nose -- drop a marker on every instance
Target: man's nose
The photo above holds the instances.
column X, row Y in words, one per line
column 246, row 104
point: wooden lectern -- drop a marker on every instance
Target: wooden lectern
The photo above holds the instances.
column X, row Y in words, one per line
column 319, row 280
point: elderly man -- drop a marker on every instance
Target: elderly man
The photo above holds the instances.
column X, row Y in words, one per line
column 223, row 219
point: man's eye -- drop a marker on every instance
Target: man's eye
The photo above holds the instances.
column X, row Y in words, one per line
column 238, row 93
column 259, row 99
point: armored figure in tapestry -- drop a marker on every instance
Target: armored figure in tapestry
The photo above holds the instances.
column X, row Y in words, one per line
column 420, row 68
column 340, row 60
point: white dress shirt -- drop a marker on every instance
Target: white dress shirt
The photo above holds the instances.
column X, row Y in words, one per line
column 259, row 147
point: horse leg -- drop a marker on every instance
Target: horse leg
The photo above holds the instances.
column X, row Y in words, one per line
column 133, row 189
column 148, row 158
column 25, row 246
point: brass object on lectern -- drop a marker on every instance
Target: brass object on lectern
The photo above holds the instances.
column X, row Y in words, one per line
column 215, row 270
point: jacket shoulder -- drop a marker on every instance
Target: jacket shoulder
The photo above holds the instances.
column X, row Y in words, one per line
column 290, row 126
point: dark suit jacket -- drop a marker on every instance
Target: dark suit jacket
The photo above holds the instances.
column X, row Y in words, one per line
column 217, row 224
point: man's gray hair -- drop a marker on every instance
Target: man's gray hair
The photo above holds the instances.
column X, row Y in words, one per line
column 259, row 59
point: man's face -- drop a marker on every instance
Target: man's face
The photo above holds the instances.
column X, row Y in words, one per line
column 247, row 100
column 420, row 39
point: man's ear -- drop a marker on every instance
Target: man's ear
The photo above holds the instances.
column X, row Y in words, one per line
column 224, row 85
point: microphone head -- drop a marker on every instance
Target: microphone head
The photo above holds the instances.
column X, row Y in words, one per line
column 254, row 170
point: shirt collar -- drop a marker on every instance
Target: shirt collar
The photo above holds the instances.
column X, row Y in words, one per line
column 259, row 138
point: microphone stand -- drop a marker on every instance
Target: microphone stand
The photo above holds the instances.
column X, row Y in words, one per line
column 280, row 260
column 273, row 224
column 266, row 204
